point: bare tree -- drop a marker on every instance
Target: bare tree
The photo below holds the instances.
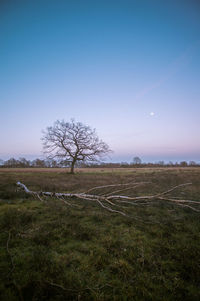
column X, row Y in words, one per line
column 192, row 163
column 137, row 160
column 73, row 142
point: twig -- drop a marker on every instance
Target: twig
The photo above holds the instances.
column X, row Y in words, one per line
column 106, row 186
column 132, row 187
column 110, row 209
column 173, row 188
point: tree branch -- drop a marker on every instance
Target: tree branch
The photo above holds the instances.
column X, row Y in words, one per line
column 114, row 200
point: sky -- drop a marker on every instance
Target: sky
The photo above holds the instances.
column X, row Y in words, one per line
column 130, row 69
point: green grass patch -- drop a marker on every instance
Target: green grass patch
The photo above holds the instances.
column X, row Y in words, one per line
column 50, row 251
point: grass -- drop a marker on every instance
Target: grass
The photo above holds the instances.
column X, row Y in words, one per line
column 50, row 251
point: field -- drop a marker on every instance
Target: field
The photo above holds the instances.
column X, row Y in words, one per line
column 52, row 251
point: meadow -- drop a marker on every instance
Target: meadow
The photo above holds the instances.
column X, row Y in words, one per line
column 52, row 251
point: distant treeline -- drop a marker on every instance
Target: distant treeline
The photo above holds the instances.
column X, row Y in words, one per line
column 39, row 163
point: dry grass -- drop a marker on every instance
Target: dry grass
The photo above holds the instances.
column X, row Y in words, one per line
column 50, row 179
column 99, row 170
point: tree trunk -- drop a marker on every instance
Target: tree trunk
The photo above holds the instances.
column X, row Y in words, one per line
column 72, row 166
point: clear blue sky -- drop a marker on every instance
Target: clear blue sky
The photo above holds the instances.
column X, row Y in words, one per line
column 130, row 69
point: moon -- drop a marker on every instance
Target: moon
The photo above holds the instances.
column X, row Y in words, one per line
column 152, row 114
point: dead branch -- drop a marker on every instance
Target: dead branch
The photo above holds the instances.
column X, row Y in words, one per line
column 112, row 200
column 110, row 209
column 127, row 188
column 111, row 185
column 173, row 188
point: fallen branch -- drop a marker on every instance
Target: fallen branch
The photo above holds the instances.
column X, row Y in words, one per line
column 110, row 200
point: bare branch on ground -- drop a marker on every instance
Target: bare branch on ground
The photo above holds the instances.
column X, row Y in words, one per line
column 109, row 201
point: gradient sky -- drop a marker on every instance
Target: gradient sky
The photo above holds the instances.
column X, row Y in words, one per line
column 130, row 69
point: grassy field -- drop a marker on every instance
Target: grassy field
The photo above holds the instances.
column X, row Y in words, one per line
column 51, row 251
